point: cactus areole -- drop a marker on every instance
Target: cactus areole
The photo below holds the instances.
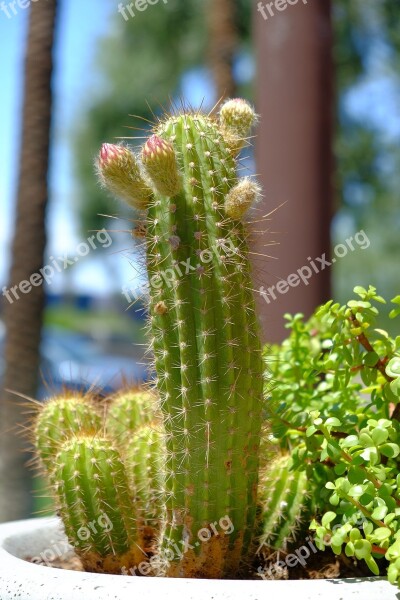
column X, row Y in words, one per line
column 203, row 331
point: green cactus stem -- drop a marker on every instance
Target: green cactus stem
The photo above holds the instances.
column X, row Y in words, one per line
column 60, row 418
column 285, row 502
column 95, row 503
column 144, row 458
column 205, row 339
column 127, row 411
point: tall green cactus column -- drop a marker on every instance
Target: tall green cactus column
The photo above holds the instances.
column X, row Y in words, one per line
column 204, row 332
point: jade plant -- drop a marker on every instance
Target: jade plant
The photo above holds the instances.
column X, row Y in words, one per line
column 335, row 407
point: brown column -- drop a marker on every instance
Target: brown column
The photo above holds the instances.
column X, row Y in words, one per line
column 294, row 98
column 222, row 45
column 23, row 313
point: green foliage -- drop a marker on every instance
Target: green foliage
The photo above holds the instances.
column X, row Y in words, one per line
column 334, row 403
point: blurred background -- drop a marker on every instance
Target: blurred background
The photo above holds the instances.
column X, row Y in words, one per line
column 324, row 77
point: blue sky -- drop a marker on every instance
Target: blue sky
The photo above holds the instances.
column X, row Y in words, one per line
column 80, row 26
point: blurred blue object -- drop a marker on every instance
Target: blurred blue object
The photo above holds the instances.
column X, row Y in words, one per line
column 77, row 361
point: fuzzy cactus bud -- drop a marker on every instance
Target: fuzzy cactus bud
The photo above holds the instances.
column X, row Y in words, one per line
column 241, row 197
column 158, row 157
column 120, row 173
column 236, row 120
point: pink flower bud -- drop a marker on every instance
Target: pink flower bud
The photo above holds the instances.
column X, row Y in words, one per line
column 158, row 157
column 120, row 173
column 156, row 146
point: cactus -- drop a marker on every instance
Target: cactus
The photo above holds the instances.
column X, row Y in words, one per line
column 128, row 410
column 144, row 458
column 204, row 331
column 285, row 502
column 95, row 503
column 108, row 492
column 58, row 419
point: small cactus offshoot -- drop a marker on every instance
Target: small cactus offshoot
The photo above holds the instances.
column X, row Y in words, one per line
column 91, row 485
column 89, row 453
column 60, row 418
column 145, row 458
column 285, row 504
column 127, row 411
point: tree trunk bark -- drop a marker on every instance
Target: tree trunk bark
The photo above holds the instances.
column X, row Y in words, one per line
column 23, row 307
column 223, row 40
column 294, row 157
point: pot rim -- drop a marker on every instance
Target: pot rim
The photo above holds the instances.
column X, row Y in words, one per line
column 19, row 576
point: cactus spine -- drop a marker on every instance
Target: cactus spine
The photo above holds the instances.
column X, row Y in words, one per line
column 285, row 502
column 204, row 335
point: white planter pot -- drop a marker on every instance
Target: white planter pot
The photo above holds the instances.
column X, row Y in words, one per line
column 21, row 580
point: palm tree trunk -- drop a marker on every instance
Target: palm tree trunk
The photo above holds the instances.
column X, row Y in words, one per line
column 23, row 314
column 223, row 40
